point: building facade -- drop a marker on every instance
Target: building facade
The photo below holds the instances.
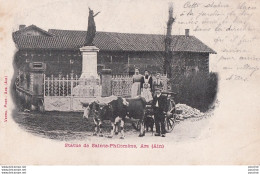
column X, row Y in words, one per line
column 120, row 52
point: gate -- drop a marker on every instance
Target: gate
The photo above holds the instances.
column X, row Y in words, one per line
column 66, row 94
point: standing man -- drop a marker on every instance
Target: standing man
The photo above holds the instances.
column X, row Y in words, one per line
column 160, row 108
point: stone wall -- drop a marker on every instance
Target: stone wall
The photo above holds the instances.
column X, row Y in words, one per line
column 56, row 61
column 119, row 62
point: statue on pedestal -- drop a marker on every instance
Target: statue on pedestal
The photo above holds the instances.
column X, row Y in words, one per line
column 91, row 29
column 89, row 85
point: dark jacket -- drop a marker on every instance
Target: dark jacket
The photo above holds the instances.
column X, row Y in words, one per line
column 150, row 82
column 162, row 102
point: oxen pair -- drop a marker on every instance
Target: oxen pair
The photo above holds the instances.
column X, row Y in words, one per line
column 116, row 111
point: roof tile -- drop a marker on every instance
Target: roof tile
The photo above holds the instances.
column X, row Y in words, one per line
column 110, row 41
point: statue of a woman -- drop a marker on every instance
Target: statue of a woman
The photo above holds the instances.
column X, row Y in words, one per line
column 91, row 29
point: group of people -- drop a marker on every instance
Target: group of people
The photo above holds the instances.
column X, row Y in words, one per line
column 144, row 86
column 151, row 90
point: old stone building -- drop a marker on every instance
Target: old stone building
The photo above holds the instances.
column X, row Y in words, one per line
column 121, row 52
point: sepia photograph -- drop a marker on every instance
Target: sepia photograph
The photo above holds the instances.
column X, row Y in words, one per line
column 134, row 81
column 175, row 81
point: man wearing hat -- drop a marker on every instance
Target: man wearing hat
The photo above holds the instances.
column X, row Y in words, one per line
column 160, row 108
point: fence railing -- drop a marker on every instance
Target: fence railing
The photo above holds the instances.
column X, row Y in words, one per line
column 71, row 86
column 74, row 86
column 121, row 85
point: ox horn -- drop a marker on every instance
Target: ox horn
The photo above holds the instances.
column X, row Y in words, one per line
column 85, row 104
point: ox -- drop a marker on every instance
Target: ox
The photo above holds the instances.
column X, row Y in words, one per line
column 114, row 111
column 136, row 110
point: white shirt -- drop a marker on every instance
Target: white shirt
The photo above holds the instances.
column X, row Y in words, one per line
column 157, row 104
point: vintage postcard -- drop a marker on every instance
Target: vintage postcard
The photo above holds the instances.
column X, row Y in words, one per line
column 125, row 82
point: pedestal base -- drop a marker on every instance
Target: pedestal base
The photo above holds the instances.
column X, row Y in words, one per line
column 89, row 76
column 87, row 87
column 89, row 62
column 87, row 91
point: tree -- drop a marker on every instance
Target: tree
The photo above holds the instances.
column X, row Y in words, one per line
column 168, row 41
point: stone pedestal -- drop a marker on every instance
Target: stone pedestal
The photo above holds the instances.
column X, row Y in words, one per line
column 89, row 81
column 106, row 82
column 36, row 74
column 36, row 70
column 88, row 87
column 89, row 62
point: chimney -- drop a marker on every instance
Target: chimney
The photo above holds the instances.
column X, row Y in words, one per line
column 22, row 27
column 187, row 32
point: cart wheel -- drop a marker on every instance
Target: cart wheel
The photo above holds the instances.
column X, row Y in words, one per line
column 169, row 124
column 136, row 125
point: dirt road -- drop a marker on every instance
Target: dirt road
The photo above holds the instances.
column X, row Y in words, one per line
column 71, row 126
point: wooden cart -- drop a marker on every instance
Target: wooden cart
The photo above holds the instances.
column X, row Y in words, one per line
column 170, row 116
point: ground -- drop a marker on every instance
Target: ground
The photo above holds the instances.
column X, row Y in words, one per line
column 71, row 126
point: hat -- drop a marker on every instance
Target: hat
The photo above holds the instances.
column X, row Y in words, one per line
column 158, row 88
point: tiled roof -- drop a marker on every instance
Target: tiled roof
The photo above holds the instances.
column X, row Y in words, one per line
column 33, row 27
column 109, row 41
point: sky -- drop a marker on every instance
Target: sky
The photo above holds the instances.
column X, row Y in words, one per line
column 115, row 16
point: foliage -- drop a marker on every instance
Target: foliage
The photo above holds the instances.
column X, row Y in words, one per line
column 196, row 90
